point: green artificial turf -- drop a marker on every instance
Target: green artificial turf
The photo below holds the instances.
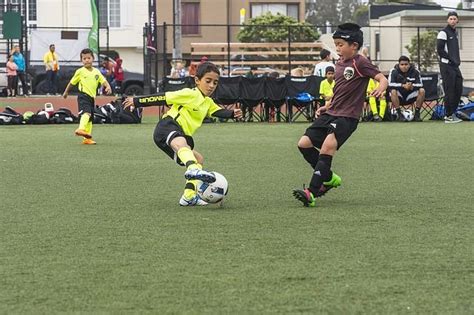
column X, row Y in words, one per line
column 98, row 229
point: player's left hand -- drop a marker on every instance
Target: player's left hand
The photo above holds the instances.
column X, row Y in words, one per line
column 237, row 113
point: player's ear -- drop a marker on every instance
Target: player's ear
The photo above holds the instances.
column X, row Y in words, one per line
column 196, row 80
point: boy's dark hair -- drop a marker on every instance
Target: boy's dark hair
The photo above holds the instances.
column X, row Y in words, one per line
column 206, row 67
column 452, row 13
column 329, row 69
column 350, row 32
column 86, row 51
column 403, row 58
column 52, row 45
column 324, row 53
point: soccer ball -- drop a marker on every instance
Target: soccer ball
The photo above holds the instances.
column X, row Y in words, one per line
column 213, row 192
column 408, row 114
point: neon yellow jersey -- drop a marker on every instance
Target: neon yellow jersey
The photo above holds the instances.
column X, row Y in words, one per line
column 189, row 107
column 326, row 88
column 88, row 80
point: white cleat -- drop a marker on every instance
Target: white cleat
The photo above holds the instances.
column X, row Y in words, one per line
column 202, row 175
column 195, row 201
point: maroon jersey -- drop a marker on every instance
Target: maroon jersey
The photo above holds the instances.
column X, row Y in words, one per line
column 352, row 77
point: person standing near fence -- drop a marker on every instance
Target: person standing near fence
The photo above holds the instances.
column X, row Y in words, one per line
column 51, row 63
column 11, row 77
column 447, row 47
column 19, row 60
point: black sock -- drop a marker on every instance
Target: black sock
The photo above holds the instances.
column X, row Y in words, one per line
column 311, row 155
column 322, row 173
column 417, row 110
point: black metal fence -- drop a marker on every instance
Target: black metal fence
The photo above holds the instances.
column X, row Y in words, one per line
column 282, row 48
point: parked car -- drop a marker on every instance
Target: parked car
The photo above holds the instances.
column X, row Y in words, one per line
column 131, row 85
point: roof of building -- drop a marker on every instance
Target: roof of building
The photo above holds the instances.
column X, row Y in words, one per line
column 378, row 10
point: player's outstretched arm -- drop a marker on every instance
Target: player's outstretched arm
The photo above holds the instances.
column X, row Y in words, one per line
column 67, row 89
column 146, row 100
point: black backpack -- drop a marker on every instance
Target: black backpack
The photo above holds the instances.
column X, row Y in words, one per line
column 119, row 115
column 10, row 117
column 64, row 116
column 40, row 118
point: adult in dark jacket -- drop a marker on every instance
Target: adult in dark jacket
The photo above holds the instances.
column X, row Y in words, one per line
column 447, row 47
column 406, row 87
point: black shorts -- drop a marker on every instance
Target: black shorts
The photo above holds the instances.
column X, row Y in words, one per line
column 86, row 104
column 166, row 130
column 406, row 97
column 342, row 127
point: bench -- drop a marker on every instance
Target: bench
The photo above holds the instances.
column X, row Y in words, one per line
column 274, row 52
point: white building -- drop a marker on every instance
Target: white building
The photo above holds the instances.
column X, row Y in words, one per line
column 125, row 19
column 391, row 33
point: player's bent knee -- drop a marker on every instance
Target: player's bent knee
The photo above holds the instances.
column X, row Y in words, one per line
column 305, row 142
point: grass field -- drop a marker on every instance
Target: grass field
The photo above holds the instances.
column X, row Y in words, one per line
column 97, row 229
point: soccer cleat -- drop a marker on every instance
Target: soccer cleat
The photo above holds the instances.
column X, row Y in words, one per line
column 88, row 141
column 202, row 175
column 305, row 196
column 195, row 201
column 453, row 119
column 82, row 133
column 335, row 182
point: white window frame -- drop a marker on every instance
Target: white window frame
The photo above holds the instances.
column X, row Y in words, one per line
column 121, row 12
column 257, row 4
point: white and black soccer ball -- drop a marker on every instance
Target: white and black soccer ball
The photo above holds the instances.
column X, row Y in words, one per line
column 213, row 192
column 408, row 114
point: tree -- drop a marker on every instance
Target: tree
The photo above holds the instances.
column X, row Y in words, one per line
column 266, row 28
column 426, row 45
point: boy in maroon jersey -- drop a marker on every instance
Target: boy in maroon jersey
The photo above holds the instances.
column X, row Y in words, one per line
column 338, row 120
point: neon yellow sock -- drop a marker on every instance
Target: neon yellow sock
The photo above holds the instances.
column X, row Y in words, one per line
column 373, row 105
column 89, row 127
column 186, row 156
column 383, row 106
column 84, row 120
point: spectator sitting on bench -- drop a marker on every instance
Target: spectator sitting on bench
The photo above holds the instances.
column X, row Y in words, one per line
column 406, row 87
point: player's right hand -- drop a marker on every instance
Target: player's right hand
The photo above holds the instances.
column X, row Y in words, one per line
column 128, row 102
column 320, row 111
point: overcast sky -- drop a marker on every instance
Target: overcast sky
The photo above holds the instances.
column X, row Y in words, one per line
column 448, row 3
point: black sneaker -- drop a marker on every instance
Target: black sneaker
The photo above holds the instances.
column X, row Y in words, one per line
column 417, row 117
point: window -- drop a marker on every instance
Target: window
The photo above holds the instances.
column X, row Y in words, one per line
column 32, row 10
column 274, row 8
column 109, row 13
column 190, row 12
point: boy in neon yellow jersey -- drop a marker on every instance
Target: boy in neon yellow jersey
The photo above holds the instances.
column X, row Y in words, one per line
column 173, row 134
column 327, row 85
column 378, row 114
column 88, row 79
